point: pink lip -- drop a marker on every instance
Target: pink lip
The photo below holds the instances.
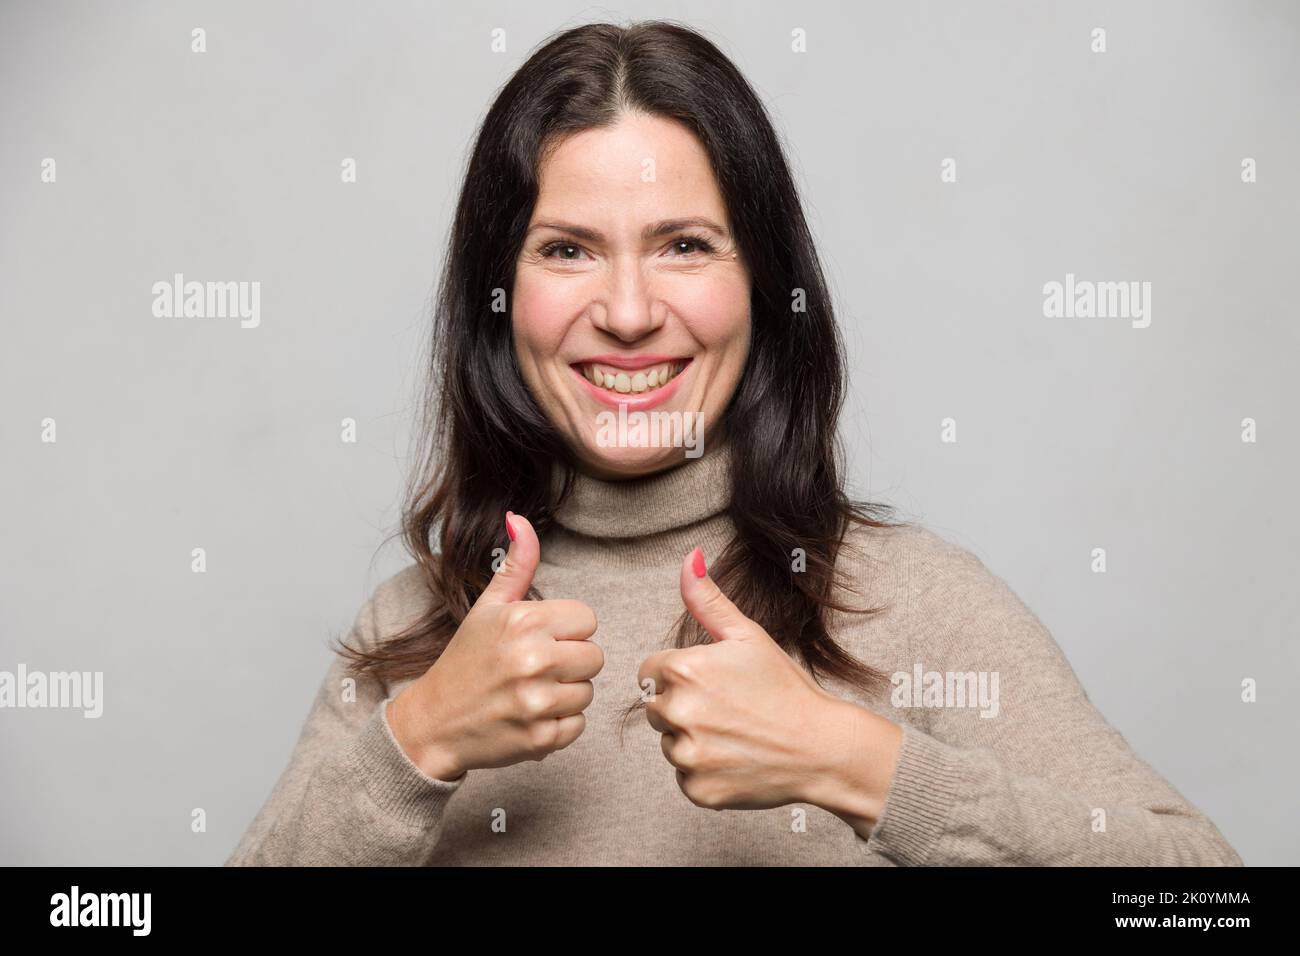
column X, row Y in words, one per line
column 631, row 362
column 638, row 401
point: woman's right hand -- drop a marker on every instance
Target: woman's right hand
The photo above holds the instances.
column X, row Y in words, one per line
column 511, row 684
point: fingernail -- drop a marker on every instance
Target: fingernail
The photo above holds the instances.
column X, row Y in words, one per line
column 509, row 527
column 697, row 563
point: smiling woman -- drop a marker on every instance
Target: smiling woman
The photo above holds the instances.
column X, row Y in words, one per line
column 629, row 247
column 629, row 202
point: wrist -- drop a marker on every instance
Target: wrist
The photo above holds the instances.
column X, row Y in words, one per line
column 433, row 759
column 861, row 752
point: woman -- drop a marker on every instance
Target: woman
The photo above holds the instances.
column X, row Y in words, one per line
column 629, row 239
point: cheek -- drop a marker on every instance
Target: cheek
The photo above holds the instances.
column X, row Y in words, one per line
column 540, row 316
column 717, row 313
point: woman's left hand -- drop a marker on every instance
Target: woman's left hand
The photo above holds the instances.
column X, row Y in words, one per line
column 747, row 728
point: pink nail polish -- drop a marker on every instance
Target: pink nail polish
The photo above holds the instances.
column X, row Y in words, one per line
column 509, row 527
column 697, row 563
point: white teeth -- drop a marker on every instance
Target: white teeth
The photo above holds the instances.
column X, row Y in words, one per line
column 632, row 382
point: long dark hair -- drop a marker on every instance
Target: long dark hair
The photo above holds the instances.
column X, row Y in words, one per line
column 486, row 445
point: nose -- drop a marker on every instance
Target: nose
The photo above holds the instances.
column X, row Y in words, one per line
column 629, row 312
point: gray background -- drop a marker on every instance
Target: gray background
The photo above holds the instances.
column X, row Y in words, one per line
column 1073, row 433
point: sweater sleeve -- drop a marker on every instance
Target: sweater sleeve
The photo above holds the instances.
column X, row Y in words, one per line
column 1043, row 780
column 350, row 795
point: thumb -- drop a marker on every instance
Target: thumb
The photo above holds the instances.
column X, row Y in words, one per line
column 515, row 576
column 708, row 605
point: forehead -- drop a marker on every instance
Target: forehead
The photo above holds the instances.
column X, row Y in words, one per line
column 641, row 164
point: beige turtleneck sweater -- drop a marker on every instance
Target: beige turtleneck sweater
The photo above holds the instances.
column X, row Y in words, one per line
column 1043, row 780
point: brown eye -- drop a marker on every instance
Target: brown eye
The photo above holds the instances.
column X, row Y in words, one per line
column 699, row 245
column 568, row 251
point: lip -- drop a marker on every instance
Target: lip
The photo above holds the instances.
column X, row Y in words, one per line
column 638, row 401
column 632, row 363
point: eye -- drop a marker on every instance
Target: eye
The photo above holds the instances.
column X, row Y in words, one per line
column 682, row 246
column 699, row 242
column 561, row 245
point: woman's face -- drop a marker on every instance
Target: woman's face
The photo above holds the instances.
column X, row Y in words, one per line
column 629, row 290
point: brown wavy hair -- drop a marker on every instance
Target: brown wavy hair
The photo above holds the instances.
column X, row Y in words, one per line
column 485, row 444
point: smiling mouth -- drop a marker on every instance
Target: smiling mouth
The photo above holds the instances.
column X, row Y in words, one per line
column 626, row 382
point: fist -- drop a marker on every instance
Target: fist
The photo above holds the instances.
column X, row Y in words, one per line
column 513, row 682
column 742, row 723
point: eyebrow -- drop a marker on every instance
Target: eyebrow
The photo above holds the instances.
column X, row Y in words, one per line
column 653, row 231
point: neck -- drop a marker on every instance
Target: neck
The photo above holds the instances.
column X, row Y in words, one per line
column 643, row 522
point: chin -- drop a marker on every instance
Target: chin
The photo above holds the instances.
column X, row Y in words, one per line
column 631, row 461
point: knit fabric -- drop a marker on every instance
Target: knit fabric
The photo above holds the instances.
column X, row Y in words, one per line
column 1044, row 780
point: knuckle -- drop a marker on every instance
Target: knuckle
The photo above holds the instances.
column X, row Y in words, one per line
column 542, row 736
column 678, row 667
column 528, row 660
column 679, row 711
column 700, row 792
column 712, row 800
column 519, row 619
column 534, row 701
column 714, row 601
column 685, row 754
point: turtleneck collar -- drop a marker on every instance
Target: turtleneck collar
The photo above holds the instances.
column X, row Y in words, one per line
column 640, row 522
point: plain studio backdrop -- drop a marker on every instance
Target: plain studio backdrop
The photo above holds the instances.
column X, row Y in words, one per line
column 1072, row 433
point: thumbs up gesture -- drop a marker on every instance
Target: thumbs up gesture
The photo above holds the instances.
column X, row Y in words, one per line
column 513, row 682
column 747, row 728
